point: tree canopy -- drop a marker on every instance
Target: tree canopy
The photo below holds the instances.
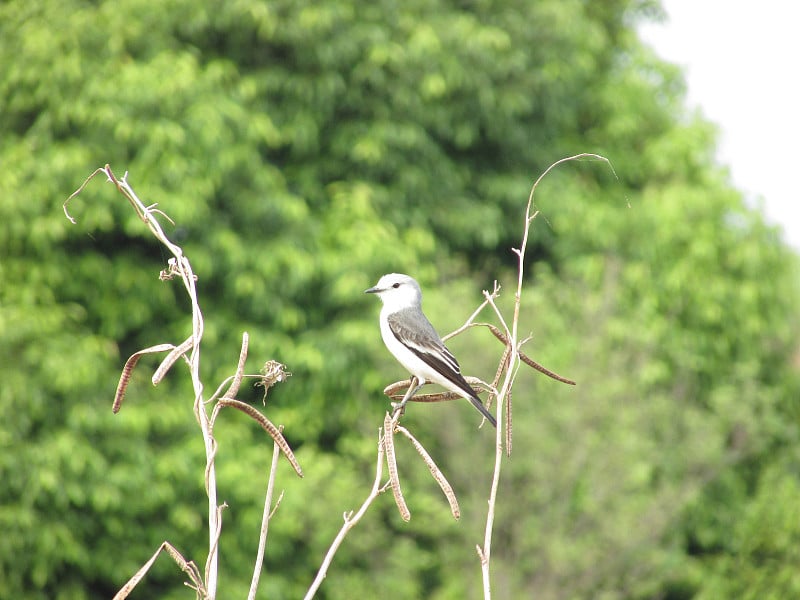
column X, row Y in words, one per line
column 303, row 149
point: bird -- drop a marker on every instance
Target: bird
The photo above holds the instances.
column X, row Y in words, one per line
column 410, row 337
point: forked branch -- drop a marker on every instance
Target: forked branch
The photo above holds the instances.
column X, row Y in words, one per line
column 179, row 267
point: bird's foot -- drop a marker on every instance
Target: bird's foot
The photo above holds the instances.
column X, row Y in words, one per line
column 398, row 408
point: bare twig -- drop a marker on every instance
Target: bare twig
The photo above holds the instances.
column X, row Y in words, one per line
column 187, row 566
column 265, row 518
column 513, row 345
column 350, row 521
column 468, row 323
column 237, row 378
column 79, row 190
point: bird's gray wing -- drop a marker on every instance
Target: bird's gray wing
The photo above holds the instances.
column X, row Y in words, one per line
column 415, row 332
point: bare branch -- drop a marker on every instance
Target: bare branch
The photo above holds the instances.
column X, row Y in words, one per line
column 187, row 566
column 513, row 359
column 78, row 191
column 277, row 504
column 350, row 521
column 237, row 378
column 265, row 517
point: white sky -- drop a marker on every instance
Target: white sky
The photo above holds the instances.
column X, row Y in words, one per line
column 741, row 65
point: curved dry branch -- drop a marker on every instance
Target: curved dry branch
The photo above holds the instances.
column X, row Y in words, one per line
column 391, row 462
column 265, row 423
column 187, row 567
column 523, row 357
column 445, row 486
column 395, row 391
column 237, row 378
column 171, row 358
column 127, row 370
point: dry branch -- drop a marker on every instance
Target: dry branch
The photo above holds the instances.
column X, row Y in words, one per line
column 350, row 521
column 127, row 370
column 265, row 423
column 391, row 463
column 178, row 266
column 511, row 340
column 445, row 486
column 186, row 566
column 265, row 518
column 523, row 357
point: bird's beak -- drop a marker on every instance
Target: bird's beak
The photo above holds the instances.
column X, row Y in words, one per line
column 372, row 290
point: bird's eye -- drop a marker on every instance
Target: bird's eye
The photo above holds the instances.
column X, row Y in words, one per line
column 395, row 285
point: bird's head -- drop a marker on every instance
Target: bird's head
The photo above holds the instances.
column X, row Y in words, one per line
column 397, row 291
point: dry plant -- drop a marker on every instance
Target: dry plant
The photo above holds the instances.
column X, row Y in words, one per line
column 500, row 393
column 505, row 376
column 205, row 584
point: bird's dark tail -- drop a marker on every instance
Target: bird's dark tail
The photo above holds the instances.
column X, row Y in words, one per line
column 476, row 402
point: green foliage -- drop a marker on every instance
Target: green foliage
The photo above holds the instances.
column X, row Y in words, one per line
column 305, row 148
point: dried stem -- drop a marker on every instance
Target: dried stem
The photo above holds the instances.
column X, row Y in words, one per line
column 178, row 266
column 468, row 323
column 265, row 518
column 186, row 566
column 350, row 521
column 503, row 396
column 237, row 378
